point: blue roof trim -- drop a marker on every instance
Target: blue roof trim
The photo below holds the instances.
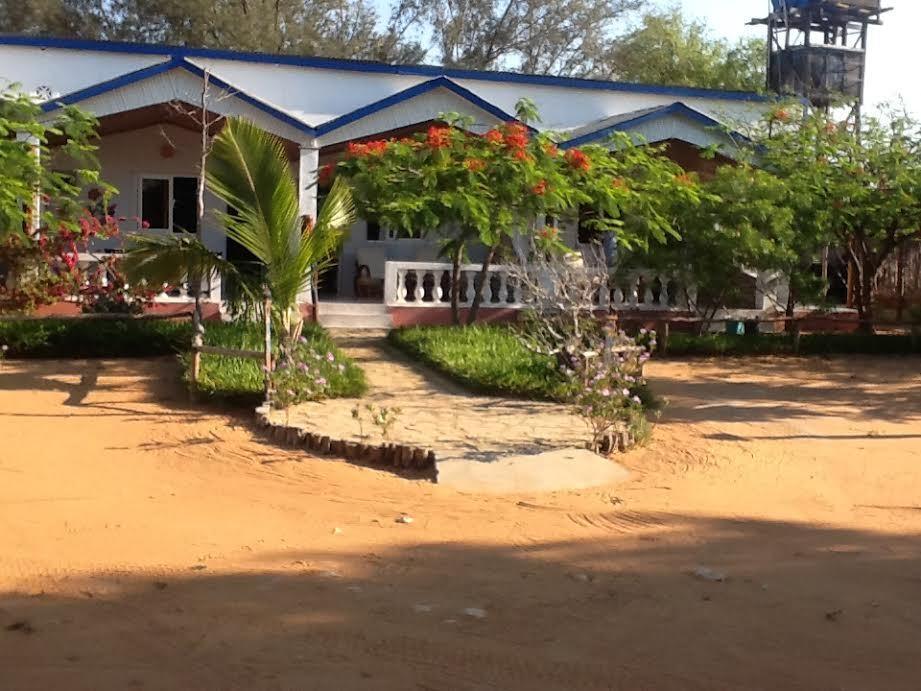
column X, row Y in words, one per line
column 406, row 95
column 377, row 67
column 166, row 66
column 255, row 102
column 676, row 108
column 111, row 84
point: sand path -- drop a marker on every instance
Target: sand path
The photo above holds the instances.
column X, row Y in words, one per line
column 436, row 413
column 147, row 545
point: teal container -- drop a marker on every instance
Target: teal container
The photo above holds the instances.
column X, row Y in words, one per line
column 735, row 327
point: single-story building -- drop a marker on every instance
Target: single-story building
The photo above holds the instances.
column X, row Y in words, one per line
column 148, row 100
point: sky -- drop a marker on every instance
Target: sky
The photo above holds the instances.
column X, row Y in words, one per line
column 889, row 63
column 889, row 67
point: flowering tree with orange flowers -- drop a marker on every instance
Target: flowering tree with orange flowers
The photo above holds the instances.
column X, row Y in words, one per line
column 489, row 188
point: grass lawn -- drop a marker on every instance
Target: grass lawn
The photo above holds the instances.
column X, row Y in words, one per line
column 238, row 380
column 682, row 344
column 485, row 358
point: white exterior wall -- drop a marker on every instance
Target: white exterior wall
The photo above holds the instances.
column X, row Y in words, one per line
column 127, row 156
column 422, row 108
column 64, row 71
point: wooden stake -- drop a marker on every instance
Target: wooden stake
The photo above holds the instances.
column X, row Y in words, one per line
column 267, row 318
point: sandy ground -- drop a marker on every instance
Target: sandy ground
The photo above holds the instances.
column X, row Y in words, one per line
column 146, row 545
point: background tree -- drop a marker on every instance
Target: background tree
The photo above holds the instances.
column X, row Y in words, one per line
column 668, row 48
column 742, row 224
column 332, row 28
column 563, row 37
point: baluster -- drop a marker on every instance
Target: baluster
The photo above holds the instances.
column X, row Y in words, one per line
column 662, row 300
column 401, row 286
column 503, row 287
column 419, row 293
column 437, row 292
column 469, row 288
column 632, row 298
column 604, row 296
column 647, row 292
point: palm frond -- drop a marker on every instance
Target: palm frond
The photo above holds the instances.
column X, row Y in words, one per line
column 160, row 260
column 249, row 170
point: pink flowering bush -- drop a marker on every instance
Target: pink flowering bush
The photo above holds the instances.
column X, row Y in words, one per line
column 305, row 375
column 606, row 383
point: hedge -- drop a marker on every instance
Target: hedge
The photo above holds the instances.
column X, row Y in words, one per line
column 94, row 338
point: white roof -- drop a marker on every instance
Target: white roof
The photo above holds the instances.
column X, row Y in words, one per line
column 334, row 100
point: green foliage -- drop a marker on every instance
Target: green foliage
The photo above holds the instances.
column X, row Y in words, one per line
column 484, row 358
column 859, row 191
column 249, row 171
column 668, row 48
column 94, row 338
column 743, row 221
column 22, row 174
column 243, row 381
column 314, row 370
column 493, row 187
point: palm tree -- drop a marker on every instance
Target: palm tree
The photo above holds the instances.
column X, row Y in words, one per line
column 249, row 171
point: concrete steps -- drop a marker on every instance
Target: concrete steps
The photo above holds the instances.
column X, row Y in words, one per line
column 354, row 315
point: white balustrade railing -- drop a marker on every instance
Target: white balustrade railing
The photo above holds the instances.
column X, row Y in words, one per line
column 181, row 293
column 648, row 290
column 428, row 284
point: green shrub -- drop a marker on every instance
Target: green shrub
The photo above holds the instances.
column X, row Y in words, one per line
column 93, row 338
column 243, row 381
column 682, row 344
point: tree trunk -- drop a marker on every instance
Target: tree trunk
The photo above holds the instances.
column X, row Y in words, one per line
column 455, row 283
column 478, row 295
column 865, row 296
column 790, row 311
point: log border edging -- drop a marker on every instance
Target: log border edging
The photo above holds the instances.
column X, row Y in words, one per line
column 395, row 455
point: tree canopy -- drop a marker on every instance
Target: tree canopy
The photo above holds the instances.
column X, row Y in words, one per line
column 669, row 48
column 331, row 28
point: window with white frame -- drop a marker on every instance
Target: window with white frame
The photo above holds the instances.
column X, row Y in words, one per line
column 169, row 202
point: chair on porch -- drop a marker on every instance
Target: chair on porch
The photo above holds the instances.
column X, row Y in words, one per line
column 369, row 277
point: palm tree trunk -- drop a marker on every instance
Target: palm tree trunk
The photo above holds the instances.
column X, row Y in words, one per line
column 481, row 285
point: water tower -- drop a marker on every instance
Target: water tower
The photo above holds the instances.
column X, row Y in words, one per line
column 818, row 49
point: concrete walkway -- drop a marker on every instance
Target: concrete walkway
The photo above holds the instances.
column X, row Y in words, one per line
column 482, row 443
